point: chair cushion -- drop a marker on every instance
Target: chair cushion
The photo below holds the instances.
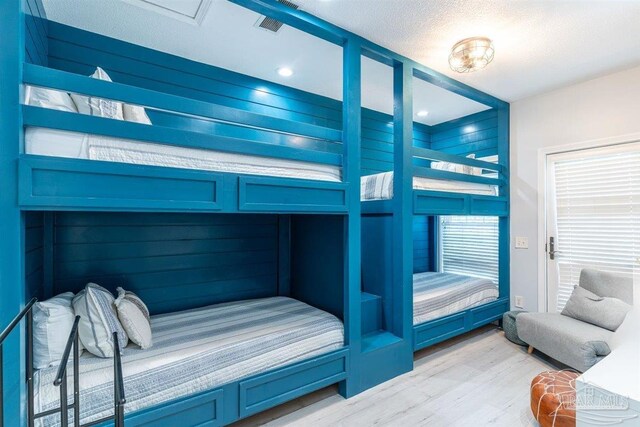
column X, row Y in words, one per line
column 605, row 312
column 575, row 343
column 607, row 284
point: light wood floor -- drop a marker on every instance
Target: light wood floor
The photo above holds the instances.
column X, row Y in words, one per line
column 478, row 379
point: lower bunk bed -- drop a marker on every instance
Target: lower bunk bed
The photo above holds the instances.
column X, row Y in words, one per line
column 211, row 366
column 447, row 304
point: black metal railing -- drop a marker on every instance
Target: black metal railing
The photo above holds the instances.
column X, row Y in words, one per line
column 25, row 312
column 61, row 377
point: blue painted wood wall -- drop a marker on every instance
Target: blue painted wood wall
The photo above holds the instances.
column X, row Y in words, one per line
column 173, row 261
column 476, row 133
column 34, row 236
column 36, row 29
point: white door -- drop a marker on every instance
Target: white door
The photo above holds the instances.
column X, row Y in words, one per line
column 592, row 215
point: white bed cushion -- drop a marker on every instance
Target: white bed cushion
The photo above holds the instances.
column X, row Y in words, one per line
column 52, row 323
column 49, row 98
column 134, row 318
column 134, row 113
column 458, row 168
column 97, row 106
column 99, row 320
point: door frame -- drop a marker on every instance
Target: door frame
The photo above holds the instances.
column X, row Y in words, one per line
column 543, row 153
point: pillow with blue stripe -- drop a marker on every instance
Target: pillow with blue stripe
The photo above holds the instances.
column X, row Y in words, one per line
column 98, row 320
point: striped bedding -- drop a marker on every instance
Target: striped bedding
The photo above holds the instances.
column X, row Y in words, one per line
column 439, row 294
column 380, row 186
column 197, row 350
column 52, row 142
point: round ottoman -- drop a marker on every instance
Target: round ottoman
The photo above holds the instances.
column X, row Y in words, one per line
column 509, row 326
column 553, row 398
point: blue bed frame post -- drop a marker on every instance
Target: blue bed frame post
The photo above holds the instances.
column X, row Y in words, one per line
column 12, row 293
column 403, row 208
column 504, row 233
column 352, row 124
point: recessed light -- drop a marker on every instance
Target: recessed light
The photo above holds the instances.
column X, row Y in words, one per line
column 422, row 113
column 285, row 71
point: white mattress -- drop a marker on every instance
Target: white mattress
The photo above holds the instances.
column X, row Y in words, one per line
column 440, row 294
column 198, row 350
column 380, row 186
column 51, row 142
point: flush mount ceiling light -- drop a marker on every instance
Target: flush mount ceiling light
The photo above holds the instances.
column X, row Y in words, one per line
column 285, row 71
column 471, row 54
column 422, row 113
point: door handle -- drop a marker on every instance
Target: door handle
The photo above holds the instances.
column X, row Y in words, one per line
column 552, row 248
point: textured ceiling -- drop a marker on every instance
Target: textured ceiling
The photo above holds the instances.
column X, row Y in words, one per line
column 227, row 37
column 540, row 45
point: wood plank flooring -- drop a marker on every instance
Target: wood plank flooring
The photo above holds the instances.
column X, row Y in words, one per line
column 477, row 379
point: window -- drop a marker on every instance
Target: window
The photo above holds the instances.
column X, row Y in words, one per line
column 596, row 195
column 469, row 245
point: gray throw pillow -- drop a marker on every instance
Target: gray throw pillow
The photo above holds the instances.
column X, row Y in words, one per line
column 605, row 312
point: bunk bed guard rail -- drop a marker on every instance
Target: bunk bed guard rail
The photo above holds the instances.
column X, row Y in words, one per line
column 61, row 377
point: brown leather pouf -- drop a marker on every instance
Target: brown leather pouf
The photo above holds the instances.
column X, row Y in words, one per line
column 553, row 397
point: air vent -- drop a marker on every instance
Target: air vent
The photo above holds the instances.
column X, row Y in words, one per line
column 271, row 24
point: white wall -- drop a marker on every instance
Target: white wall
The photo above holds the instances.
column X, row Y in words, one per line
column 605, row 107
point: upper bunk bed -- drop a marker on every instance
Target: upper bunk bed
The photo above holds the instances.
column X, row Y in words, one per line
column 152, row 131
column 457, row 158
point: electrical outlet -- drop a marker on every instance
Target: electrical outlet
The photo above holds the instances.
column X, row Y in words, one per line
column 522, row 242
column 519, row 301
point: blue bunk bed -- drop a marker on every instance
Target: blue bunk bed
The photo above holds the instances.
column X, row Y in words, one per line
column 307, row 231
column 399, row 248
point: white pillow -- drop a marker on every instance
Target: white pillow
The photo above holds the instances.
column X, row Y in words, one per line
column 134, row 317
column 97, row 106
column 458, row 168
column 49, row 98
column 98, row 320
column 134, row 113
column 52, row 323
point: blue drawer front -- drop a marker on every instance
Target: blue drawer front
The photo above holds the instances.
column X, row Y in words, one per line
column 66, row 183
column 438, row 330
column 489, row 312
column 265, row 391
column 261, row 194
column 201, row 410
column 489, row 205
column 434, row 202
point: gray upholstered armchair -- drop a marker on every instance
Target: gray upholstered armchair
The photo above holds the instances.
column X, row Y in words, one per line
column 573, row 342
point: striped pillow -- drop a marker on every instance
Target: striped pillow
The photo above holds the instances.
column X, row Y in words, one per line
column 98, row 320
column 134, row 316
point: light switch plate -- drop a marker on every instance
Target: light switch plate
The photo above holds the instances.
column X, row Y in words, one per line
column 519, row 302
column 522, row 242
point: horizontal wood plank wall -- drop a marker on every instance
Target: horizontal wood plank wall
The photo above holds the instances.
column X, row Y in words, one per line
column 36, row 28
column 377, row 141
column 34, row 255
column 476, row 133
column 423, row 244
column 172, row 261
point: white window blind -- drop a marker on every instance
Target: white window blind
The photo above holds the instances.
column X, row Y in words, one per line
column 469, row 245
column 597, row 197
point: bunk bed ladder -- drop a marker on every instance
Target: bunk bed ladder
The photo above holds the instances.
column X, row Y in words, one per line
column 61, row 378
column 25, row 312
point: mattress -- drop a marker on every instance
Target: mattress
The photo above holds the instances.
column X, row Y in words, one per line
column 380, row 186
column 197, row 350
column 52, row 142
column 439, row 294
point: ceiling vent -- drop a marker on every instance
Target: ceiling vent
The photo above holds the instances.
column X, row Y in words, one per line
column 271, row 24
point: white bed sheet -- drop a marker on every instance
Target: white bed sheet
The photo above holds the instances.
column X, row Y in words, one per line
column 380, row 186
column 198, row 350
column 51, row 142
